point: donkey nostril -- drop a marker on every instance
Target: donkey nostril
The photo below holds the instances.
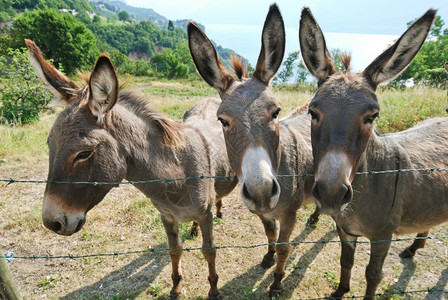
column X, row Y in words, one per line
column 315, row 191
column 348, row 195
column 55, row 226
column 274, row 189
column 80, row 224
column 245, row 192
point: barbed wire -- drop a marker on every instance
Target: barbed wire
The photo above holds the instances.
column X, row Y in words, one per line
column 167, row 180
column 11, row 257
column 154, row 250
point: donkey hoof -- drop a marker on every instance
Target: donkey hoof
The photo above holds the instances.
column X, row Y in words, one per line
column 339, row 293
column 273, row 294
column 174, row 297
column 406, row 253
column 219, row 215
column 267, row 263
column 217, row 297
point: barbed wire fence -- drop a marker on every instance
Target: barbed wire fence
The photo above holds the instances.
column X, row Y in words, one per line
column 10, row 256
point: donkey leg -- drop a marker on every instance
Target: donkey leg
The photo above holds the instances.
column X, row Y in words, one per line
column 210, row 254
column 172, row 232
column 374, row 270
column 219, row 208
column 314, row 218
column 287, row 224
column 348, row 247
column 417, row 244
column 271, row 230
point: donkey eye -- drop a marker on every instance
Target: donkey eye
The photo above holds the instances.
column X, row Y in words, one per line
column 224, row 123
column 275, row 114
column 82, row 156
column 370, row 119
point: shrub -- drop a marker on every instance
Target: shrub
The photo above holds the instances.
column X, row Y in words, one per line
column 22, row 95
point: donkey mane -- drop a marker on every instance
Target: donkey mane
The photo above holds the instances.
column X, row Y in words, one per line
column 240, row 71
column 346, row 59
column 169, row 129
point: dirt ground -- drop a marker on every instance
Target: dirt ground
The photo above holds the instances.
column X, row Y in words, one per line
column 125, row 221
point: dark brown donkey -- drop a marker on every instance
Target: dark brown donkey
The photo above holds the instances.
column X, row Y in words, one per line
column 344, row 141
column 259, row 145
column 104, row 136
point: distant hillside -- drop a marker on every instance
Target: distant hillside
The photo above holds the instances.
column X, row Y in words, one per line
column 109, row 8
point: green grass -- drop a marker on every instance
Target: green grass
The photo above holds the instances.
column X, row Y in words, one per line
column 402, row 109
column 26, row 140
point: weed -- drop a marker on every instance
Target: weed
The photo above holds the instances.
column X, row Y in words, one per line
column 49, row 281
column 155, row 289
column 332, row 278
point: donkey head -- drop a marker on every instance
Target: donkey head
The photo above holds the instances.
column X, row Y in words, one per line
column 81, row 146
column 345, row 106
column 248, row 112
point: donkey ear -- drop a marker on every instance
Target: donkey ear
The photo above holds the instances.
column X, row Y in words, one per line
column 62, row 88
column 272, row 46
column 206, row 59
column 103, row 87
column 314, row 49
column 398, row 56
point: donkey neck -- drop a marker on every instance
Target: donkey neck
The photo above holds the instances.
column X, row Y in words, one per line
column 141, row 140
column 382, row 153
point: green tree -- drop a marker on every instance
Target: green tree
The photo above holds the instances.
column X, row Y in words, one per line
column 302, row 73
column 428, row 65
column 22, row 95
column 61, row 37
column 288, row 67
column 84, row 17
column 175, row 63
column 124, row 16
column 7, row 12
column 170, row 25
column 96, row 18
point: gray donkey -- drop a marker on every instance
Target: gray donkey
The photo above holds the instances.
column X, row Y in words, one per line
column 259, row 145
column 104, row 136
column 344, row 142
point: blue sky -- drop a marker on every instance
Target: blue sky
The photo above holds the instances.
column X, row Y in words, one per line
column 364, row 28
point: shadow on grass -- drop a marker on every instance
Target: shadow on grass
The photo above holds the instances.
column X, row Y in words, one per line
column 403, row 281
column 131, row 279
column 440, row 285
column 299, row 269
column 242, row 287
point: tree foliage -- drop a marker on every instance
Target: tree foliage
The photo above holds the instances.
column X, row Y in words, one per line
column 124, row 16
column 428, row 66
column 7, row 12
column 60, row 37
column 74, row 42
column 175, row 63
column 78, row 5
column 22, row 95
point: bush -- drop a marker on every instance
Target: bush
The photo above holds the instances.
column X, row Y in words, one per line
column 22, row 95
